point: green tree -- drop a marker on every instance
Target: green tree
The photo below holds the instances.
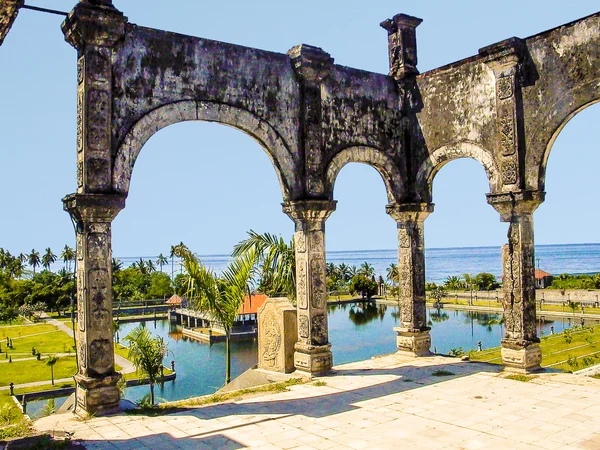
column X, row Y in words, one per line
column 161, row 261
column 364, row 286
column 48, row 259
column 485, row 281
column 367, row 270
column 275, row 260
column 344, row 271
column 147, row 354
column 220, row 297
column 438, row 294
column 34, row 259
column 68, row 255
column 52, row 359
column 392, row 273
column 453, row 282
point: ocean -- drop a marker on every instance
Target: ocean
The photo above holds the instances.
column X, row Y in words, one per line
column 443, row 262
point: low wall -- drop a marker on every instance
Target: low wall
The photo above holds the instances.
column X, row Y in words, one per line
column 555, row 296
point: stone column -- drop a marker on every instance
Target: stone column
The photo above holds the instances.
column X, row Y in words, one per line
column 313, row 350
column 402, row 45
column 97, row 391
column 520, row 346
column 413, row 335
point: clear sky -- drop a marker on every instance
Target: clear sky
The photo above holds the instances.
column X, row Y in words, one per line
column 206, row 184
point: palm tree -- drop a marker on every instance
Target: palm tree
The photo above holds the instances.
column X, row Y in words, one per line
column 453, row 282
column 161, row 261
column 344, row 271
column 52, row 359
column 392, row 273
column 116, row 265
column 147, row 354
column 150, row 267
column 276, row 260
column 33, row 259
column 48, row 259
column 367, row 270
column 67, row 256
column 220, row 297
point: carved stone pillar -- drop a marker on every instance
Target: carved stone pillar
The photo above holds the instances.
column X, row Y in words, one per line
column 402, row 45
column 413, row 334
column 520, row 346
column 9, row 9
column 97, row 391
column 94, row 28
column 313, row 350
column 506, row 61
column 312, row 65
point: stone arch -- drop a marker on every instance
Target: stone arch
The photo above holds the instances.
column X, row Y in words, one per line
column 543, row 163
column 182, row 111
column 443, row 155
column 373, row 157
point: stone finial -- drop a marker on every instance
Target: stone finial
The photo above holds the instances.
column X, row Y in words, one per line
column 95, row 22
column 310, row 63
column 8, row 13
column 402, row 43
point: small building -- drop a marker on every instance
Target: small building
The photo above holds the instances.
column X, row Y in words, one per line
column 542, row 279
column 174, row 301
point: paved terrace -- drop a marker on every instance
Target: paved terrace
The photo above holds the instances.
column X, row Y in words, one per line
column 387, row 402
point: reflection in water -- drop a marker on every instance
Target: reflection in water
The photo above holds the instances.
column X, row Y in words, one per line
column 364, row 312
column 437, row 316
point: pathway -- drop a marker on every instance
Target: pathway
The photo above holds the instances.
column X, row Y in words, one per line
column 384, row 403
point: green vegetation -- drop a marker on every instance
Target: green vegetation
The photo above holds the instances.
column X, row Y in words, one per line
column 147, row 354
column 27, row 338
column 576, row 349
column 221, row 296
column 567, row 281
column 442, row 373
column 363, row 286
column 520, row 377
column 218, row 398
column 33, row 370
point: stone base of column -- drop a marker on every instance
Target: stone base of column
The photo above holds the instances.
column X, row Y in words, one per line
column 517, row 357
column 313, row 359
column 411, row 342
column 97, row 396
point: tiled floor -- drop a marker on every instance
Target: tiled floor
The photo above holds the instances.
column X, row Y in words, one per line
column 387, row 402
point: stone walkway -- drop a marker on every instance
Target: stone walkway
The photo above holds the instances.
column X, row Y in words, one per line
column 386, row 402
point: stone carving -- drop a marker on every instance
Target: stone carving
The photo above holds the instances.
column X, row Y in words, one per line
column 272, row 339
column 98, row 125
column 506, row 132
column 505, row 87
column 97, row 67
column 319, row 329
column 80, row 119
column 99, row 296
column 403, row 238
column 97, row 246
column 303, row 329
column 301, row 293
column 101, row 352
column 509, row 172
column 80, row 69
column 81, row 310
column 318, row 294
column 300, row 240
column 82, row 356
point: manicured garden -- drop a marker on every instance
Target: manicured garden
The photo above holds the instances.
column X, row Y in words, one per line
column 572, row 350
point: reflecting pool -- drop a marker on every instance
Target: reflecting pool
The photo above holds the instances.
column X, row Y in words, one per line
column 357, row 331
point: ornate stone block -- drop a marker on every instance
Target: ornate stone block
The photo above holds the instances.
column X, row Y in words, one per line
column 413, row 342
column 277, row 335
column 315, row 360
column 526, row 359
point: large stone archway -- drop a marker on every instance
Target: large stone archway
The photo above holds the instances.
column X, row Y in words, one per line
column 503, row 107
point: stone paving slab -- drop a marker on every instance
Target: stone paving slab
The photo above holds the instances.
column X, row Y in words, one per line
column 383, row 403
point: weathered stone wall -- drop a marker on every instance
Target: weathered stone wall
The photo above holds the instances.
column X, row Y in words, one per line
column 567, row 79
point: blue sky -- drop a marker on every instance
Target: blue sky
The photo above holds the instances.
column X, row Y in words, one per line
column 206, row 184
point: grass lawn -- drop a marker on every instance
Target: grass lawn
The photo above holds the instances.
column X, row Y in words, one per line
column 29, row 371
column 45, row 338
column 582, row 351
